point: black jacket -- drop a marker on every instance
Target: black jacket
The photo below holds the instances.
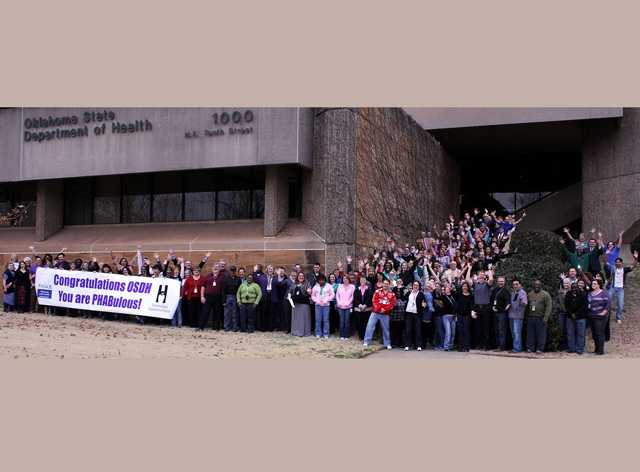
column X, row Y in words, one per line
column 576, row 304
column 420, row 299
column 443, row 304
column 500, row 298
column 463, row 305
column 358, row 299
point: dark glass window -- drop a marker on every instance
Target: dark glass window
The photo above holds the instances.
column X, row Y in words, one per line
column 203, row 195
column 234, row 204
column 167, row 197
column 199, row 197
column 136, row 198
column 21, row 197
column 258, row 203
column 78, row 202
column 106, row 200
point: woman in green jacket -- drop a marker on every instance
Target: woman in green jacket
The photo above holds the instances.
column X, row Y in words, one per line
column 248, row 296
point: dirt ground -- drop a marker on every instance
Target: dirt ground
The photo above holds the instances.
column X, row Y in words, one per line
column 38, row 336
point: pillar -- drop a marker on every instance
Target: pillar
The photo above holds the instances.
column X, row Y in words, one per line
column 276, row 199
column 611, row 175
column 329, row 197
column 49, row 208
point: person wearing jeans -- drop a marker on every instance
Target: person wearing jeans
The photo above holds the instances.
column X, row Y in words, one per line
column 383, row 302
column 176, row 321
column 616, row 283
column 576, row 305
column 322, row 295
column 231, row 285
column 448, row 319
column 517, row 308
column 344, row 303
column 248, row 296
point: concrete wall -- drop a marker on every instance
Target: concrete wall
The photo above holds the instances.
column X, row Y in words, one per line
column 455, row 117
column 406, row 181
column 276, row 203
column 611, row 175
column 278, row 136
column 555, row 211
column 49, row 208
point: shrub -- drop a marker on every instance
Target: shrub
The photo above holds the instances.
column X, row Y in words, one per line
column 537, row 255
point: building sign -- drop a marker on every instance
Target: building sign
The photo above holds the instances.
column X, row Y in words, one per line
column 112, row 293
column 89, row 123
column 226, row 124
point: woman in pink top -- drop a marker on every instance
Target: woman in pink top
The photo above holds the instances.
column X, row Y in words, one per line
column 344, row 303
column 322, row 295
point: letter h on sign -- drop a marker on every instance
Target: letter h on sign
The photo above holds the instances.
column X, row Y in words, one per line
column 162, row 292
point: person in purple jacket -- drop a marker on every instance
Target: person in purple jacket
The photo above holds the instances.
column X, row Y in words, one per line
column 598, row 303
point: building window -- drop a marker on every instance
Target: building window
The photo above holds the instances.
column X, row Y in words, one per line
column 106, row 200
column 203, row 195
column 167, row 197
column 78, row 202
column 234, row 205
column 136, row 198
column 199, row 196
column 257, row 207
column 18, row 204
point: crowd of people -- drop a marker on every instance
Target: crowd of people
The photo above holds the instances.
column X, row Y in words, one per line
column 595, row 279
column 442, row 291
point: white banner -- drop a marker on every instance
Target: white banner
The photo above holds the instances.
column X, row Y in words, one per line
column 112, row 293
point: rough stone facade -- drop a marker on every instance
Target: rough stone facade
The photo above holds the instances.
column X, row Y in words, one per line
column 406, row 181
column 328, row 191
column 376, row 174
column 611, row 175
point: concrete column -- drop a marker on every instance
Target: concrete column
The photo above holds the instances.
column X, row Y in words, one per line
column 276, row 199
column 49, row 208
column 611, row 176
column 329, row 197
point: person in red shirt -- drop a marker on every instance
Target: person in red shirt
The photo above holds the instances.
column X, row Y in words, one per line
column 383, row 302
column 191, row 289
column 212, row 297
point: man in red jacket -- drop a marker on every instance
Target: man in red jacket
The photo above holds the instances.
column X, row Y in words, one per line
column 383, row 302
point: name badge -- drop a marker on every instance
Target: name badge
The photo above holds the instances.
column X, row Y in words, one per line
column 214, row 283
column 533, row 308
column 195, row 290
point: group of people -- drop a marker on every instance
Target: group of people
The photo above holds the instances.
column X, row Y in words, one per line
column 595, row 280
column 440, row 291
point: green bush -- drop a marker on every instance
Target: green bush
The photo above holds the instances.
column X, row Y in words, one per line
column 537, row 255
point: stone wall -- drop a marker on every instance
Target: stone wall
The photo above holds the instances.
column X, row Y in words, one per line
column 611, row 175
column 405, row 180
column 328, row 190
